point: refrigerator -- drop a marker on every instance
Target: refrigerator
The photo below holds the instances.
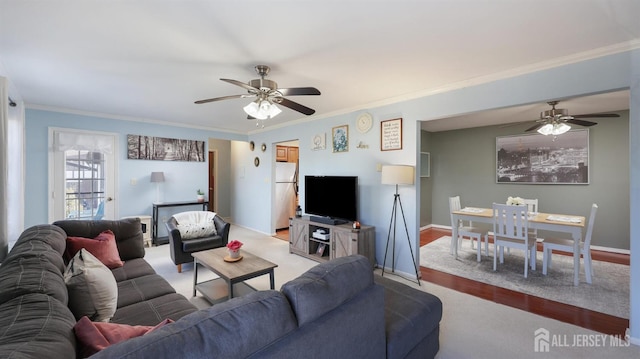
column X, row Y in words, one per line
column 286, row 193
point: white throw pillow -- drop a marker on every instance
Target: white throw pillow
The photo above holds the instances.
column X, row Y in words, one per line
column 92, row 289
column 195, row 224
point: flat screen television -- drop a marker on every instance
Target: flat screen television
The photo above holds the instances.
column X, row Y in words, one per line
column 333, row 199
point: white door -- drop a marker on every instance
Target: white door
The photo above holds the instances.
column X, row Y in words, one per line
column 82, row 168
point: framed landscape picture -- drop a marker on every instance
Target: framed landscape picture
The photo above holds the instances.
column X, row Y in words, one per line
column 540, row 159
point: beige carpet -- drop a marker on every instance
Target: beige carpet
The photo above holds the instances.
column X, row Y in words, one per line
column 470, row 328
column 608, row 293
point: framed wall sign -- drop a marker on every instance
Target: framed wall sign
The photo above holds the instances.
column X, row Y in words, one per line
column 391, row 135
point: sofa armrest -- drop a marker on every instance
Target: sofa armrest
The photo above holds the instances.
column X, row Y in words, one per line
column 222, row 227
column 175, row 239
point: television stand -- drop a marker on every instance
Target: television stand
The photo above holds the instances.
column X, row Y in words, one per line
column 322, row 242
column 328, row 220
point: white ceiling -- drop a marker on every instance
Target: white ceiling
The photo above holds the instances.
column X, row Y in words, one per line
column 151, row 59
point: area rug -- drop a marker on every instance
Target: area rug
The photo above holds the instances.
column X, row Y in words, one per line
column 609, row 292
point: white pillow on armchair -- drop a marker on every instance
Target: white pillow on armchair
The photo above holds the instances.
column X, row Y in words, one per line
column 195, row 224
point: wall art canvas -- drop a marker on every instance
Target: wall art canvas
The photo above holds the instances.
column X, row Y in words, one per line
column 340, row 138
column 164, row 149
column 540, row 159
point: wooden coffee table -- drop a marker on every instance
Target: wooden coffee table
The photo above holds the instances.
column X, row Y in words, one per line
column 232, row 274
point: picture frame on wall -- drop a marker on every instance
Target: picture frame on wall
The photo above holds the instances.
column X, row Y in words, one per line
column 540, row 159
column 391, row 135
column 340, row 138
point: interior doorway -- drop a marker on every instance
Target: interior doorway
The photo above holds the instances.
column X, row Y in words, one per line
column 286, row 184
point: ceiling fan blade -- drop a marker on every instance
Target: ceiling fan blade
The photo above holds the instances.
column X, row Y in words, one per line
column 223, row 98
column 296, row 106
column 242, row 84
column 597, row 115
column 534, row 127
column 298, row 91
column 581, row 122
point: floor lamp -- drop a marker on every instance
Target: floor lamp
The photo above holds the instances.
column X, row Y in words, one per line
column 397, row 175
column 157, row 178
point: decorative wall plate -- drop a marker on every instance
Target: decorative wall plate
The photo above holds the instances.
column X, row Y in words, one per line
column 364, row 122
column 263, row 147
column 256, row 162
column 252, row 145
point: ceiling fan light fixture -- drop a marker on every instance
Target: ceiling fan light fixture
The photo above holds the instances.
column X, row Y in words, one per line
column 554, row 129
column 262, row 109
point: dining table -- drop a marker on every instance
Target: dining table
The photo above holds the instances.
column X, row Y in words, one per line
column 563, row 223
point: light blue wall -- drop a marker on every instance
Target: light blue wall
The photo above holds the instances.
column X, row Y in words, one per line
column 182, row 179
column 254, row 189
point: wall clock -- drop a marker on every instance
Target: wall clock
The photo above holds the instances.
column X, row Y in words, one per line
column 364, row 122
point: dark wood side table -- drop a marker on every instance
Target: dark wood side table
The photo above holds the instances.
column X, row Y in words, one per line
column 156, row 206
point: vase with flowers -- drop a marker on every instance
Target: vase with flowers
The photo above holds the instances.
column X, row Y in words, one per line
column 515, row 201
column 234, row 249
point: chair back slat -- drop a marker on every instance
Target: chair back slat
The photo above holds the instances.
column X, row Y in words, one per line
column 510, row 221
column 454, row 205
column 592, row 218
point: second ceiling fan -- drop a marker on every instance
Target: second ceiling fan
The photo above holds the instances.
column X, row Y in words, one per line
column 267, row 95
column 555, row 121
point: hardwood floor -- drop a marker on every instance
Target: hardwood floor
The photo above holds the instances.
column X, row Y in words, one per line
column 599, row 322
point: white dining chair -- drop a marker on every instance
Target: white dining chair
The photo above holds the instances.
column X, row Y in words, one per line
column 511, row 230
column 467, row 230
column 566, row 245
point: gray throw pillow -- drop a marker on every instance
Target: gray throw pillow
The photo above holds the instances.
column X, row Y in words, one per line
column 93, row 290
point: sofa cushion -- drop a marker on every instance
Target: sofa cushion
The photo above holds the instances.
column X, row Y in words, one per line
column 92, row 289
column 95, row 336
column 103, row 247
column 36, row 326
column 133, row 268
column 327, row 285
column 232, row 329
column 411, row 316
column 53, row 236
column 37, row 271
column 128, row 233
column 142, row 288
column 153, row 311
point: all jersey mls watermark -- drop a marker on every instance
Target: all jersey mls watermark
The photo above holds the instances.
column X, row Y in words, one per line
column 544, row 341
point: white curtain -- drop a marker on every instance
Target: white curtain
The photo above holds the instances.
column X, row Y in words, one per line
column 64, row 141
column 4, row 157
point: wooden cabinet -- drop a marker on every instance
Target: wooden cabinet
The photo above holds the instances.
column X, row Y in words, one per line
column 286, row 154
column 341, row 240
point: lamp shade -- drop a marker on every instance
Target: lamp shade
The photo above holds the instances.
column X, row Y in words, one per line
column 157, row 176
column 262, row 109
column 554, row 129
column 397, row 174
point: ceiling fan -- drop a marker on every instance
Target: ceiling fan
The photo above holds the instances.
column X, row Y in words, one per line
column 555, row 121
column 267, row 95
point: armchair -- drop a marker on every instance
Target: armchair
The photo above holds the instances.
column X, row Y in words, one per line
column 181, row 248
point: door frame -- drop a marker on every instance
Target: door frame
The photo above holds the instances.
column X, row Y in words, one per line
column 111, row 167
column 213, row 174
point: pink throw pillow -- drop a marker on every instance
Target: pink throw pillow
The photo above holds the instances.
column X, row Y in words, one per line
column 102, row 247
column 95, row 336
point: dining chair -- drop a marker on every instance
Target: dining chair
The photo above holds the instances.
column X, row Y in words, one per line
column 511, row 230
column 467, row 230
column 566, row 245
